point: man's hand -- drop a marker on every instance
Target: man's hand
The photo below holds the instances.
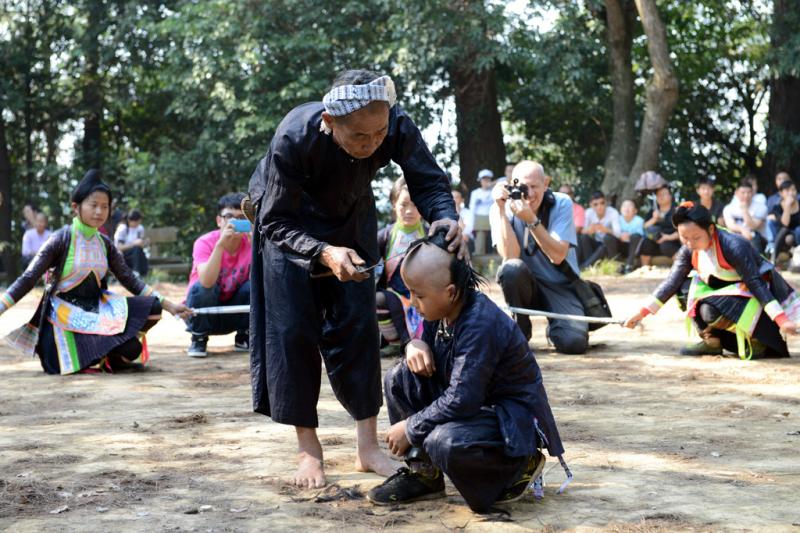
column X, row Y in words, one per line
column 343, row 262
column 625, row 237
column 523, row 211
column 661, row 238
column 397, row 440
column 453, row 237
column 228, row 238
column 419, row 358
column 500, row 195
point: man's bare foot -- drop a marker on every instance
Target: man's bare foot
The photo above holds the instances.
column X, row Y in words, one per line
column 369, row 456
column 310, row 473
column 374, row 460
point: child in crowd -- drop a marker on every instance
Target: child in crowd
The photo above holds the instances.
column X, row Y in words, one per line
column 784, row 220
column 631, row 227
column 397, row 319
column 468, row 400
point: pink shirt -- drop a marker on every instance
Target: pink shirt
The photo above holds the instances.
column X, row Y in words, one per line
column 234, row 270
column 578, row 215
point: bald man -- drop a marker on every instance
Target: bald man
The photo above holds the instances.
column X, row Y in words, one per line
column 465, row 400
column 537, row 242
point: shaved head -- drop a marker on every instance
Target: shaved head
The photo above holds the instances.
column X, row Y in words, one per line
column 527, row 170
column 429, row 265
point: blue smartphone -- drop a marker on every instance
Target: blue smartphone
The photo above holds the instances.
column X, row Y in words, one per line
column 241, row 225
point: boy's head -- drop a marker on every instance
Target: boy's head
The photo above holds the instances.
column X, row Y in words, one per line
column 787, row 189
column 780, row 177
column 134, row 218
column 705, row 188
column 436, row 278
column 229, row 207
column 744, row 192
column 598, row 203
column 628, row 209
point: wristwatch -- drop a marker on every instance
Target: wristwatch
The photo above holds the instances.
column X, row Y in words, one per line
column 533, row 225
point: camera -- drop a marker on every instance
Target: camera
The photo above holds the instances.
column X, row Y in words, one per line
column 516, row 190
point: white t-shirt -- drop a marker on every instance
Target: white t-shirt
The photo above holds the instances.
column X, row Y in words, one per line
column 733, row 213
column 126, row 235
column 480, row 201
column 610, row 220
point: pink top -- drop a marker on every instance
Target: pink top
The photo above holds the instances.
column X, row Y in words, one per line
column 578, row 215
column 234, row 270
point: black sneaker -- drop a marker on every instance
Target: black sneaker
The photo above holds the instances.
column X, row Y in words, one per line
column 198, row 347
column 701, row 348
column 517, row 489
column 406, row 486
column 242, row 342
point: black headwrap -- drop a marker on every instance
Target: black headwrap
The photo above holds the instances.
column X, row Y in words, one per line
column 692, row 212
column 90, row 183
column 462, row 275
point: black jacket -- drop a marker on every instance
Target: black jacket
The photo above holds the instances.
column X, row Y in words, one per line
column 309, row 192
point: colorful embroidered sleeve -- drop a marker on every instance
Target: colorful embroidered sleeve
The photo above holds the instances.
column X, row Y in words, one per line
column 6, row 301
column 150, row 291
column 652, row 306
column 775, row 312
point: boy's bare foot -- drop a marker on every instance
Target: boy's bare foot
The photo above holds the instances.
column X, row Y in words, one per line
column 310, row 473
column 374, row 460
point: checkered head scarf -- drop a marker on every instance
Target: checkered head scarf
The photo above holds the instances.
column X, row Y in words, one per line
column 345, row 99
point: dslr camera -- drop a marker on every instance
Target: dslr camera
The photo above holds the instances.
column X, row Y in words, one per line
column 517, row 190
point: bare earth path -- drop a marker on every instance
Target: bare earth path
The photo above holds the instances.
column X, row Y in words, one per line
column 657, row 443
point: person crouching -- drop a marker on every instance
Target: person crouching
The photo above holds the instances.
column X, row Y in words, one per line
column 465, row 399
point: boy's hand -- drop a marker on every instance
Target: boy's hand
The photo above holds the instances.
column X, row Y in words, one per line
column 419, row 358
column 396, row 439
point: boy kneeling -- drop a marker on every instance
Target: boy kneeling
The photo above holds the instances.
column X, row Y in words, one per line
column 468, row 401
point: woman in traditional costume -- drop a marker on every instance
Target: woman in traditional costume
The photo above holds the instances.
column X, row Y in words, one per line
column 735, row 297
column 79, row 324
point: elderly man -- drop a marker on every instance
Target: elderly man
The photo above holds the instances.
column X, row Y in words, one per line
column 537, row 244
column 316, row 229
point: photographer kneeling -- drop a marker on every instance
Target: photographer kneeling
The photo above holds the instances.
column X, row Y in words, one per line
column 537, row 244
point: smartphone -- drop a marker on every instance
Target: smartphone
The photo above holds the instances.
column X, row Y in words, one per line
column 241, row 225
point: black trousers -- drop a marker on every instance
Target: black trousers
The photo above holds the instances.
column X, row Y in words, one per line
column 136, row 260
column 296, row 323
column 470, row 451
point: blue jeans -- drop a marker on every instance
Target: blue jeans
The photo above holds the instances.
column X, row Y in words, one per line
column 205, row 325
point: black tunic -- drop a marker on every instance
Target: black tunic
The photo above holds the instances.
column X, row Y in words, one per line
column 308, row 193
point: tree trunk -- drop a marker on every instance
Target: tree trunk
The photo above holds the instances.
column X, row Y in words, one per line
column 622, row 152
column 783, row 139
column 8, row 259
column 92, row 156
column 662, row 94
column 479, row 133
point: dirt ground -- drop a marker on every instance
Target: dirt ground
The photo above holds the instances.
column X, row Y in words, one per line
column 657, row 442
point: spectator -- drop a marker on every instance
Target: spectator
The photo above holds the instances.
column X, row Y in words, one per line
column 631, row 227
column 129, row 239
column 758, row 197
column 34, row 238
column 661, row 235
column 600, row 237
column 785, row 224
column 775, row 198
column 705, row 197
column 745, row 216
column 221, row 276
column 578, row 212
column 465, row 219
column 481, row 199
column 537, row 244
column 29, row 211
